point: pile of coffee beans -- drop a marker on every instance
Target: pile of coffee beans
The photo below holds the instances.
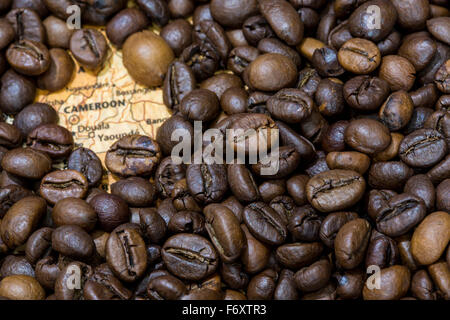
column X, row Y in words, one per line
column 358, row 91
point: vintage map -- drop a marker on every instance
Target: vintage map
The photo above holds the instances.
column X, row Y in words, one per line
column 101, row 108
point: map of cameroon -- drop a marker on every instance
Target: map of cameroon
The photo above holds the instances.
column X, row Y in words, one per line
column 101, row 108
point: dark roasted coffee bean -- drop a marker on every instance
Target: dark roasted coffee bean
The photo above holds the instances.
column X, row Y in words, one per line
column 211, row 32
column 74, row 211
column 73, row 242
column 367, row 136
column 52, row 139
column 200, row 105
column 190, row 256
column 389, row 175
column 207, row 183
column 335, row 190
column 225, row 232
column 27, row 25
column 7, row 33
column 10, row 195
column 111, row 210
column 156, row 10
column 167, row 174
column 422, row 286
column 331, row 225
column 420, row 50
column 242, row 183
column 296, row 187
column 26, row 163
column 300, row 254
column 233, row 14
column 22, row 220
column 325, row 61
column 349, row 283
column 442, row 76
column 166, row 288
column 313, row 277
column 10, row 136
column 423, row 148
column 152, row 224
column 89, row 48
column 271, row 189
column 103, row 285
column 241, row 57
column 64, row 283
column 365, row 93
column 58, row 32
column 33, row 116
column 329, row 97
column 262, row 286
column 264, row 223
column 234, row 101
column 38, row 245
column 187, row 222
column 86, row 162
column 398, row 72
column 348, row 160
column 351, row 243
column 179, row 81
column 28, row 57
column 178, row 35
column 360, row 24
column 439, row 28
column 286, row 159
column 220, row 83
column 421, row 186
column 304, row 224
column 58, row 185
column 256, row 28
column 136, row 191
column 273, row 45
column 290, row 105
column 133, row 155
column 202, row 59
column 126, row 254
column 400, row 214
column 125, row 23
column 16, row 92
column 308, row 81
column 382, row 251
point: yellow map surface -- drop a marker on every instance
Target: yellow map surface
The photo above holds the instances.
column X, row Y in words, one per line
column 101, row 108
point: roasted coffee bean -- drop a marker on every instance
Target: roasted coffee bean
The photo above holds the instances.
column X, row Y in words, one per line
column 180, row 8
column 308, row 81
column 422, row 286
column 329, row 97
column 59, row 72
column 26, row 163
column 442, row 192
column 179, row 81
column 10, row 195
column 152, row 224
column 166, row 288
column 189, row 256
column 133, row 155
column 325, row 61
column 257, row 28
column 430, row 238
column 351, row 243
column 412, row 14
column 200, row 105
column 7, row 33
column 58, row 32
column 331, row 225
column 394, row 284
column 313, row 277
column 442, row 54
column 182, row 198
column 400, row 214
column 27, row 25
column 335, row 190
column 73, row 242
column 164, row 134
column 64, row 288
column 126, row 254
column 367, row 136
column 16, row 265
column 33, row 116
column 271, row 189
column 348, row 160
column 290, row 105
column 220, row 83
column 167, row 174
column 272, row 72
column 178, row 35
column 420, row 50
column 111, row 210
column 421, row 186
column 28, row 57
column 86, row 162
column 21, row 220
column 241, row 57
column 233, row 14
column 439, row 28
column 156, row 10
column 397, row 110
column 187, row 222
column 52, row 139
column 16, row 92
column 425, row 96
column 287, row 159
column 89, row 48
column 10, row 136
column 365, row 93
column 103, row 285
column 442, row 77
column 272, row 45
column 207, row 183
column 297, row 255
column 262, row 286
column 234, row 101
column 264, row 223
column 125, row 23
column 440, row 273
column 212, row 33
column 202, row 59
column 58, row 185
column 382, row 251
column 349, row 283
column 333, row 137
column 284, row 206
column 296, row 187
column 304, row 224
column 389, row 175
column 422, row 148
column 398, row 72
column 136, row 191
column 359, row 56
column 440, row 171
column 74, row 211
column 21, row 287
column 361, row 27
column 390, row 44
column 283, row 19
column 225, row 232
